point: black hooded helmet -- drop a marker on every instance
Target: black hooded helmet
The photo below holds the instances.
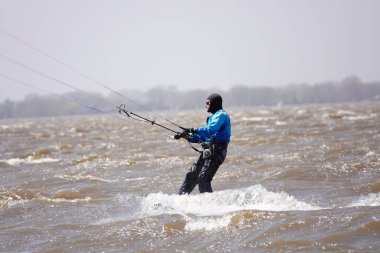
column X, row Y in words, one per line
column 216, row 102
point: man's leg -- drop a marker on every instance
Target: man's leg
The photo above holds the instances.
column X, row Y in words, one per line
column 191, row 179
column 210, row 167
column 207, row 173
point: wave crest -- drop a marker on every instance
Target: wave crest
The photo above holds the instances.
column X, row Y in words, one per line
column 223, row 202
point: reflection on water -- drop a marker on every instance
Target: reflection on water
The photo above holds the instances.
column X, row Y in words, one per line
column 296, row 178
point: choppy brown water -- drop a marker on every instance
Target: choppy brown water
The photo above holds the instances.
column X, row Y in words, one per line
column 303, row 179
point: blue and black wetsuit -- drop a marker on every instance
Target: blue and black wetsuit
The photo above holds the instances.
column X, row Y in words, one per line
column 218, row 133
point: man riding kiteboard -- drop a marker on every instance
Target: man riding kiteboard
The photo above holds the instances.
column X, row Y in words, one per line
column 214, row 137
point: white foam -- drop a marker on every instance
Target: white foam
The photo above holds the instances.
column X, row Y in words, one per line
column 281, row 123
column 10, row 202
column 29, row 160
column 134, row 179
column 85, row 177
column 360, row 117
column 372, row 199
column 258, row 119
column 109, row 220
column 211, row 211
column 208, row 223
column 223, row 202
column 345, row 113
column 62, row 200
column 301, row 111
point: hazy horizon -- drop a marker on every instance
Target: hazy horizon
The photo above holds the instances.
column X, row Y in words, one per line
column 187, row 44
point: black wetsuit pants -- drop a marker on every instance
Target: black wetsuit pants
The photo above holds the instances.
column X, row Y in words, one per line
column 203, row 170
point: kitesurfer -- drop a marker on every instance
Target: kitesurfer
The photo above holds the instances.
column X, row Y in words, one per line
column 214, row 137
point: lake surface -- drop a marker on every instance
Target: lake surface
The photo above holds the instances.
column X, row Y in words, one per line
column 299, row 179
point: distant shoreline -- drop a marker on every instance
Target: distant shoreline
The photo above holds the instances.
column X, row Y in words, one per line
column 169, row 98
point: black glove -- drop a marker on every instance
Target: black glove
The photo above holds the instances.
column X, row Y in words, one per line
column 184, row 135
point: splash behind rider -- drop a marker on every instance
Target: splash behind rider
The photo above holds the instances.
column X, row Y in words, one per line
column 217, row 133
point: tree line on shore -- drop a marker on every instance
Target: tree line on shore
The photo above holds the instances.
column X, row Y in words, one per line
column 350, row 89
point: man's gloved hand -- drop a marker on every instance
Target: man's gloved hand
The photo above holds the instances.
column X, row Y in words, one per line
column 184, row 135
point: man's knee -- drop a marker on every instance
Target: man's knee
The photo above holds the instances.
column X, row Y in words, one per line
column 204, row 178
column 204, row 183
column 191, row 176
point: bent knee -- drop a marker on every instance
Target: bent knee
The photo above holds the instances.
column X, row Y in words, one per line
column 204, row 178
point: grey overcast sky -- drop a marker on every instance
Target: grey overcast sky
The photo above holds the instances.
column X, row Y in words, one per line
column 187, row 43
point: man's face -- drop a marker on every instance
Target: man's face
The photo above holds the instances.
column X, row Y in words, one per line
column 208, row 103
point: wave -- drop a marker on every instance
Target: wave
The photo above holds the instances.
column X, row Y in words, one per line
column 216, row 210
column 258, row 119
column 16, row 197
column 348, row 115
column 80, row 177
column 360, row 117
column 85, row 159
column 223, row 202
column 207, row 211
column 373, row 199
column 66, row 200
column 29, row 160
